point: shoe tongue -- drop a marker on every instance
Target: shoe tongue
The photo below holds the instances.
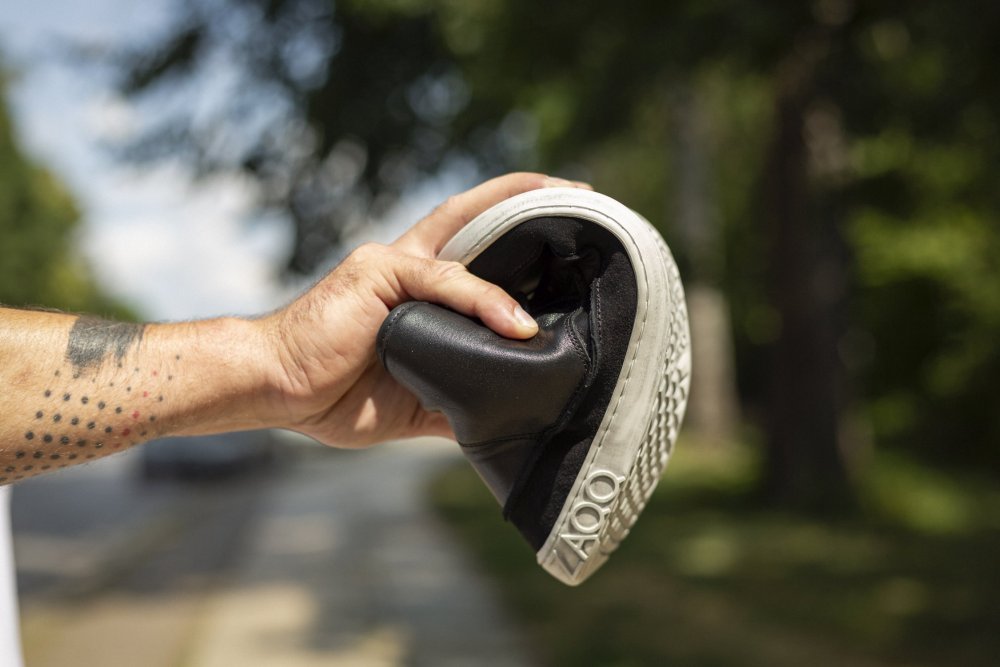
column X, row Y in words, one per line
column 501, row 396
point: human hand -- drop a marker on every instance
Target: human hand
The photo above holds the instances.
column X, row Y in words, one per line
column 332, row 386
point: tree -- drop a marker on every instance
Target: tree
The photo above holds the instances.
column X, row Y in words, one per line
column 835, row 99
column 38, row 220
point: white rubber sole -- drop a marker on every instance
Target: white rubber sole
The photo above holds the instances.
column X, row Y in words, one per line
column 635, row 439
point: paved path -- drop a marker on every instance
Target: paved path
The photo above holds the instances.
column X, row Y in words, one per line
column 336, row 562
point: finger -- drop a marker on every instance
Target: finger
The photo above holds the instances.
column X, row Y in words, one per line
column 428, row 236
column 451, row 285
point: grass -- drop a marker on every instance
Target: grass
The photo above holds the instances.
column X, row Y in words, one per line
column 709, row 578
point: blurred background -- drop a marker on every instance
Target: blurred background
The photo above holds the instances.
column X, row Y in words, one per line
column 826, row 174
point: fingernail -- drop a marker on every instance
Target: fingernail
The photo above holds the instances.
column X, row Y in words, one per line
column 556, row 182
column 524, row 319
column 583, row 185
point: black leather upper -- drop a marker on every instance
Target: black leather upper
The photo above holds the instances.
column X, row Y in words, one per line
column 492, row 388
column 501, row 396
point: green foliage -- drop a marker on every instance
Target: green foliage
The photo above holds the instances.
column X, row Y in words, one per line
column 38, row 220
column 893, row 105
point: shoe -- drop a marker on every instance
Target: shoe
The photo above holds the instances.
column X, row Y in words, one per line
column 572, row 429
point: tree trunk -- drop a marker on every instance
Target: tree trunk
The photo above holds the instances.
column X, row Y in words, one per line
column 804, row 463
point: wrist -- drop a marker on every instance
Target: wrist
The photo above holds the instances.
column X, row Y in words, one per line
column 229, row 381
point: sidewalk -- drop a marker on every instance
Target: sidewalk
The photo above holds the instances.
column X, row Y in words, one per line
column 346, row 565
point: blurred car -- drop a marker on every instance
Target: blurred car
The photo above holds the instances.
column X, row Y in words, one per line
column 206, row 455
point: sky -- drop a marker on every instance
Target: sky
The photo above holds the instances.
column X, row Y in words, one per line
column 171, row 246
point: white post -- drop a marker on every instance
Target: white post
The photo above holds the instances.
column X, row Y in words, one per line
column 10, row 636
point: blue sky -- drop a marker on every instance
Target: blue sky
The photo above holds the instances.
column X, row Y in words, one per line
column 172, row 247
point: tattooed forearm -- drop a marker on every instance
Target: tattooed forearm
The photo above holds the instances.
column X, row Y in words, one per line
column 92, row 340
column 74, row 389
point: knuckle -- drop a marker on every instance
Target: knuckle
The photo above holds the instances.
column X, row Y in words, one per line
column 451, row 271
column 367, row 252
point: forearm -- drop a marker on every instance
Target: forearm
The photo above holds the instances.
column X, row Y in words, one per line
column 78, row 388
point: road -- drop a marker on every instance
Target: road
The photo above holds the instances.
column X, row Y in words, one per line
column 331, row 559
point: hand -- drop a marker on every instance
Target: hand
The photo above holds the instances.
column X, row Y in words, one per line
column 334, row 388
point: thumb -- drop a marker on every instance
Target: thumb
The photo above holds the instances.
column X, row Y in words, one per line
column 450, row 284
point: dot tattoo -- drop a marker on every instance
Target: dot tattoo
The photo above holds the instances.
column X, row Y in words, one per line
column 101, row 405
column 29, row 436
column 85, row 400
column 20, row 454
column 47, row 438
column 57, row 417
column 66, row 397
column 64, row 440
column 48, row 392
column 39, row 414
column 37, row 455
column 91, row 425
column 74, row 421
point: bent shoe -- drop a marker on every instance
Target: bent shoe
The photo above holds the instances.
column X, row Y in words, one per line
column 570, row 430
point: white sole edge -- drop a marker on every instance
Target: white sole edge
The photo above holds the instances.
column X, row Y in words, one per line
column 633, row 444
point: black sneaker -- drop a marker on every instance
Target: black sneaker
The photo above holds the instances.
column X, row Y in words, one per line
column 571, row 430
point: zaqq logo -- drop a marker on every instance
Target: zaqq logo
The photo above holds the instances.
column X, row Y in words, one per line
column 587, row 518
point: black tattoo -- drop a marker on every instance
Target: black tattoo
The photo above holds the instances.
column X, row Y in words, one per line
column 47, row 438
column 92, row 340
column 37, row 455
column 64, row 440
column 48, row 392
column 56, row 417
column 74, row 421
column 29, row 435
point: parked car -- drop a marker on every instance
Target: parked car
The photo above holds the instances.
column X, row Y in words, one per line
column 206, row 455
